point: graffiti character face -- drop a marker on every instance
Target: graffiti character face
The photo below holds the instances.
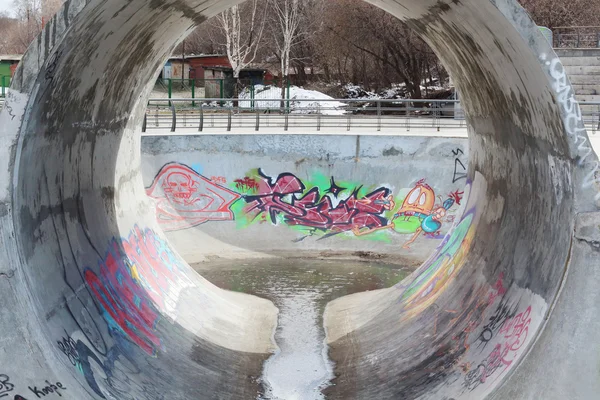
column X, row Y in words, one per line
column 419, row 201
column 179, row 187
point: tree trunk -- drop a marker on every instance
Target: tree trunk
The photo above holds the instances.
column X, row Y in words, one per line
column 283, row 87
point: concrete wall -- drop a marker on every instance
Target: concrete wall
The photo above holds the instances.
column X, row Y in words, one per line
column 583, row 68
column 352, row 175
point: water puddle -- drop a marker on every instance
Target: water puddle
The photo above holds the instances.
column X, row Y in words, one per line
column 301, row 289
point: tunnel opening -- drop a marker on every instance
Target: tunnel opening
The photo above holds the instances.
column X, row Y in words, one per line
column 115, row 302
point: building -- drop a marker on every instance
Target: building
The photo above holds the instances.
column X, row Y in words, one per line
column 176, row 68
column 198, row 63
column 8, row 64
column 251, row 76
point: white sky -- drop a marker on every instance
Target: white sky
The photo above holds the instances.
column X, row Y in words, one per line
column 6, row 5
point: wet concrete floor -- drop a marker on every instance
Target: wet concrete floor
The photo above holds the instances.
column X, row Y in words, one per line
column 301, row 289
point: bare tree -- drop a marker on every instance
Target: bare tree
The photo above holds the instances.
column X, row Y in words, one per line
column 375, row 48
column 242, row 28
column 286, row 22
column 30, row 17
column 555, row 13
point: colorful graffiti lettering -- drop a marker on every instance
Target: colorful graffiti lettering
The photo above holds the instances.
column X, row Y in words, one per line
column 419, row 203
column 139, row 277
column 441, row 268
column 322, row 206
column 185, row 198
column 287, row 195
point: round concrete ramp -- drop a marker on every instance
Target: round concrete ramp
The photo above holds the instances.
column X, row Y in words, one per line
column 96, row 303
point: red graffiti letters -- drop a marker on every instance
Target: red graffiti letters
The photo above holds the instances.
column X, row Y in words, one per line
column 185, row 198
column 248, row 184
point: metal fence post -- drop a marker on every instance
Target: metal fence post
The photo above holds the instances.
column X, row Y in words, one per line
column 256, row 128
column 229, row 115
column 379, row 115
column 174, row 123
column 201, row 126
column 193, row 92
column 406, row 105
column 144, row 123
column 170, row 89
column 221, row 91
column 318, row 116
column 348, row 121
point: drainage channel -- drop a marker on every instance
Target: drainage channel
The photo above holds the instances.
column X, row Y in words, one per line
column 300, row 369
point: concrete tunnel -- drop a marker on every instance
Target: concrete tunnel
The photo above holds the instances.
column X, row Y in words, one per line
column 98, row 304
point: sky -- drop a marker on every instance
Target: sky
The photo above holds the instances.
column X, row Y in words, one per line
column 6, row 5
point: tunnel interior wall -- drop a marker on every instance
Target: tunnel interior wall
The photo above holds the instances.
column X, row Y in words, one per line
column 73, row 195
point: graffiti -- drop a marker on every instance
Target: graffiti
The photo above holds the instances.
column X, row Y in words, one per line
column 514, row 334
column 139, row 276
column 419, row 203
column 504, row 312
column 246, row 184
column 5, row 385
column 52, row 64
column 109, row 374
column 312, row 209
column 321, row 208
column 220, row 180
column 441, row 268
column 50, row 388
column 432, row 219
column 460, row 171
column 185, row 198
column 471, row 314
column 69, row 348
column 572, row 117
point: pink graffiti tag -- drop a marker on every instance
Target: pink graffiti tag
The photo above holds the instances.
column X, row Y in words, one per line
column 513, row 335
column 138, row 278
column 286, row 195
column 185, row 198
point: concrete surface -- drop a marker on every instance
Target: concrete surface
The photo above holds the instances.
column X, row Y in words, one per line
column 96, row 303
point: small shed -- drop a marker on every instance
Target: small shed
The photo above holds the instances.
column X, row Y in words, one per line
column 176, row 68
column 250, row 76
column 8, row 65
column 199, row 62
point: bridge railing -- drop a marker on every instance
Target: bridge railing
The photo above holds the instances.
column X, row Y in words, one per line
column 578, row 37
column 315, row 114
column 217, row 115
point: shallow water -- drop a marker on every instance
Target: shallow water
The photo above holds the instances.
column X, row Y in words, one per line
column 301, row 289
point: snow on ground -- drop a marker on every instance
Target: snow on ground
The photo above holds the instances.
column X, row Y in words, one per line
column 296, row 106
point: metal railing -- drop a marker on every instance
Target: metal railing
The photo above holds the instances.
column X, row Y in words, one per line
column 317, row 114
column 579, row 37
